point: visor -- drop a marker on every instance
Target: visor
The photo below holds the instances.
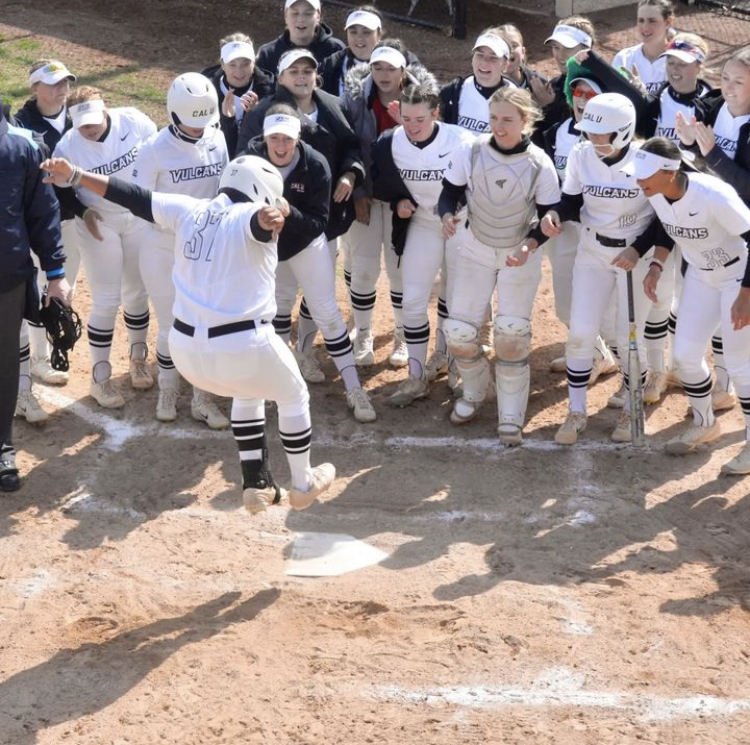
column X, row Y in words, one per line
column 51, row 74
column 294, row 56
column 493, row 42
column 315, row 3
column 282, row 124
column 389, row 55
column 570, row 36
column 88, row 112
column 363, row 18
column 684, row 51
column 236, row 50
column 644, row 165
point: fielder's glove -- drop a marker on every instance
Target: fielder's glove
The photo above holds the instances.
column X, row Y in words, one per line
column 63, row 331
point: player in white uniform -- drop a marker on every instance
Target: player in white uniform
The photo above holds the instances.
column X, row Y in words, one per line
column 107, row 141
column 506, row 181
column 420, row 151
column 614, row 216
column 710, row 223
column 223, row 340
column 186, row 157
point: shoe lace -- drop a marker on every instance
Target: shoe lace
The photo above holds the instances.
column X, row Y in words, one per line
column 359, row 399
column 168, row 397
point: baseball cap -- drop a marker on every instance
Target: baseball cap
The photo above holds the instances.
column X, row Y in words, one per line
column 645, row 164
column 685, row 51
column 289, row 58
column 88, row 112
column 389, row 55
column 237, row 49
column 363, row 18
column 315, row 3
column 282, row 124
column 494, row 42
column 570, row 36
column 51, row 74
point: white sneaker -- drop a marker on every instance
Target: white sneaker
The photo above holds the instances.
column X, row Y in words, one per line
column 722, row 400
column 410, row 390
column 622, row 432
column 655, row 388
column 740, row 464
column 360, row 404
column 569, row 430
column 617, row 400
column 322, row 478
column 602, row 366
column 140, row 377
column 43, row 370
column 400, row 354
column 166, row 406
column 28, row 406
column 309, row 366
column 204, row 409
column 691, row 438
column 559, row 365
column 436, row 365
column 106, row 394
column 510, row 434
column 464, row 411
column 364, row 353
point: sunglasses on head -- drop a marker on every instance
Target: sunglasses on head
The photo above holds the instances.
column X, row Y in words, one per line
column 579, row 92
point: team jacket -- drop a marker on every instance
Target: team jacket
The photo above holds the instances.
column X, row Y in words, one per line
column 451, row 98
column 307, row 189
column 332, row 136
column 358, row 99
column 556, row 112
column 29, row 212
column 261, row 83
column 334, row 69
column 323, row 44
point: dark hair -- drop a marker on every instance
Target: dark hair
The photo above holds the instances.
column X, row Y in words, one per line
column 665, row 148
column 394, row 43
column 416, row 94
column 666, row 7
column 282, row 108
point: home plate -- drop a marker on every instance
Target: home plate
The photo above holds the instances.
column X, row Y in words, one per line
column 330, row 554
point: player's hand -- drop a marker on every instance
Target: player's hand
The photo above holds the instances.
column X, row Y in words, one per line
column 394, row 110
column 61, row 289
column 741, row 310
column 283, row 206
column 362, row 210
column 91, row 219
column 551, row 225
column 344, row 187
column 626, row 259
column 650, row 281
column 685, row 129
column 228, row 107
column 405, row 209
column 248, row 101
column 450, row 225
column 520, row 256
column 58, row 170
column 271, row 219
column 542, row 90
column 705, row 137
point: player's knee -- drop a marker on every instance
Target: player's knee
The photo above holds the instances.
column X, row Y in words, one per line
column 462, row 338
column 295, row 406
column 512, row 339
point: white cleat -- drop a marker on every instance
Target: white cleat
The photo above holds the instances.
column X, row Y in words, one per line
column 140, row 377
column 361, row 406
column 691, row 438
column 204, row 409
column 436, row 365
column 309, row 366
column 409, row 391
column 740, row 464
column 166, row 406
column 106, row 395
column 43, row 370
column 655, row 388
column 569, row 430
column 364, row 352
column 28, row 407
column 322, row 478
column 622, row 432
column 400, row 354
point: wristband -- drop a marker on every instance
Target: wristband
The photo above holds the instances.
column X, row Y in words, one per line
column 656, row 262
column 55, row 273
column 75, row 177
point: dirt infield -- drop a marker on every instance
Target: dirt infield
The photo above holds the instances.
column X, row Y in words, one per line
column 592, row 595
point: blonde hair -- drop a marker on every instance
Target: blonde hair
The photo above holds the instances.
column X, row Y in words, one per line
column 237, row 36
column 521, row 99
column 84, row 93
column 582, row 23
column 693, row 39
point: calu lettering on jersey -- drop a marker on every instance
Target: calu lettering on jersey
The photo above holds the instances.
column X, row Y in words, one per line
column 424, row 174
column 611, row 192
column 678, row 231
column 117, row 165
column 196, row 172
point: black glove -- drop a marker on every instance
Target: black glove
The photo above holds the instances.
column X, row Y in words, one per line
column 63, row 331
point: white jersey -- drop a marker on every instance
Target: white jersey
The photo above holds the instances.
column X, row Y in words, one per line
column 222, row 274
column 566, row 138
column 653, row 74
column 422, row 169
column 668, row 108
column 474, row 108
column 613, row 204
column 727, row 130
column 115, row 156
column 707, row 223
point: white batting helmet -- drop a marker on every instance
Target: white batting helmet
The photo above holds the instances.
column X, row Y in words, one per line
column 256, row 178
column 192, row 100
column 610, row 113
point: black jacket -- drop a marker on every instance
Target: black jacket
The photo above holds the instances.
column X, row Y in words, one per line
column 323, row 44
column 261, row 83
column 556, row 112
column 331, row 70
column 307, row 189
column 332, row 136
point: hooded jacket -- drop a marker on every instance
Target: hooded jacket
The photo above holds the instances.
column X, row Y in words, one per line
column 335, row 68
column 324, row 43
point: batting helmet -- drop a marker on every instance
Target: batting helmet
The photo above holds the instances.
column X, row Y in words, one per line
column 610, row 113
column 192, row 100
column 255, row 178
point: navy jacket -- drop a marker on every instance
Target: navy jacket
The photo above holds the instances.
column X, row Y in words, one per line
column 323, row 44
column 331, row 70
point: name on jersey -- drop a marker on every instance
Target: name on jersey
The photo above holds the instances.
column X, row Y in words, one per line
column 727, row 144
column 196, row 172
column 472, row 124
column 611, row 192
column 117, row 165
column 668, row 132
column 691, row 233
column 424, row 174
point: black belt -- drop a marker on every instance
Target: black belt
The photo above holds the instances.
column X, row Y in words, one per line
column 611, row 242
column 723, row 266
column 214, row 331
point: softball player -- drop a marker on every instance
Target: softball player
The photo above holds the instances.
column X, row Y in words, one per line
column 710, row 223
column 505, row 180
column 614, row 216
column 222, row 339
column 187, row 157
column 107, row 141
column 517, row 71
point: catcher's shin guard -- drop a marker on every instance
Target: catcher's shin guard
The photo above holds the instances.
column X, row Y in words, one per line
column 512, row 373
column 463, row 344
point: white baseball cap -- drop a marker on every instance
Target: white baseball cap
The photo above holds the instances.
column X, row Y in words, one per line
column 315, row 3
column 288, row 59
column 237, row 49
column 363, row 18
column 570, row 36
column 493, row 42
column 87, row 112
column 389, row 55
column 645, row 164
column 282, row 124
column 51, row 74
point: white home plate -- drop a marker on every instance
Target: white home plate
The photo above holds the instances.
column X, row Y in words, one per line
column 330, row 554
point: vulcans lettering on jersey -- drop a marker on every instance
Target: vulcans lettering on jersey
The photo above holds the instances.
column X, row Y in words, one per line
column 422, row 175
column 196, row 172
column 727, row 144
column 472, row 124
column 668, row 132
column 117, row 165
column 611, row 192
column 680, row 232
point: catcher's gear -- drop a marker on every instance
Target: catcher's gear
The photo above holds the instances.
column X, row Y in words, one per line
column 63, row 331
